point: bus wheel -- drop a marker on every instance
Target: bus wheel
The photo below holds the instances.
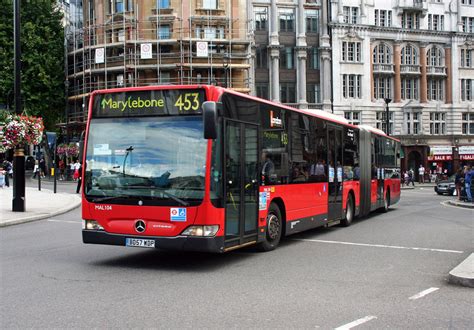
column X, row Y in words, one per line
column 386, row 202
column 273, row 229
column 349, row 212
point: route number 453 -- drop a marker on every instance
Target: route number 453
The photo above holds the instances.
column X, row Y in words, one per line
column 188, row 101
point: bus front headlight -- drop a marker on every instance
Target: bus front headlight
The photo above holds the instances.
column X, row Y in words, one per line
column 91, row 225
column 203, row 231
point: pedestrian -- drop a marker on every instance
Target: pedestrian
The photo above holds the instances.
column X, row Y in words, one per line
column 3, row 173
column 71, row 168
column 411, row 177
column 467, row 182
column 62, row 167
column 77, row 166
column 421, row 174
column 458, row 181
column 79, row 179
column 36, row 170
column 7, row 167
column 42, row 167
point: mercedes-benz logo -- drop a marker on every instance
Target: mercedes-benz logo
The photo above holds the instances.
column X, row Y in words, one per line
column 140, row 226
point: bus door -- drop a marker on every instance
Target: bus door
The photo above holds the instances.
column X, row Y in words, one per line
column 335, row 172
column 241, row 182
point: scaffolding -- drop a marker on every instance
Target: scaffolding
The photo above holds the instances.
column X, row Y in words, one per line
column 172, row 34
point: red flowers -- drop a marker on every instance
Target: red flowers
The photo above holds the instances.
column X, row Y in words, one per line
column 19, row 130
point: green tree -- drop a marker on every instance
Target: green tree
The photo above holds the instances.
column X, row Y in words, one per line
column 42, row 48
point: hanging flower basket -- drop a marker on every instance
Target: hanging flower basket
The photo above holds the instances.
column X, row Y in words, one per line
column 67, row 150
column 21, row 130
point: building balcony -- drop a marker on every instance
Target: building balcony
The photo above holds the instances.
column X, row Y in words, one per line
column 410, row 69
column 413, row 5
column 383, row 68
column 436, row 70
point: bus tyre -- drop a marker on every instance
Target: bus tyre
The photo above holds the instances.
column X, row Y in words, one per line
column 349, row 216
column 386, row 202
column 273, row 229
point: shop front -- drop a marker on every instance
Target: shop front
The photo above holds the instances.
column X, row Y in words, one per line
column 447, row 159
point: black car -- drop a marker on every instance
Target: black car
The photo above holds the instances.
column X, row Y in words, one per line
column 446, row 186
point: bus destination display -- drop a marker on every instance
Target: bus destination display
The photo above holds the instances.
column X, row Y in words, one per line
column 149, row 103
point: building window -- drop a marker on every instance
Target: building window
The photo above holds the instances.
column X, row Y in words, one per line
column 435, row 22
column 209, row 4
column 165, row 77
column 351, row 86
column 164, row 32
column 287, row 58
column 119, row 8
column 381, row 121
column 468, row 123
column 467, row 24
column 353, row 117
column 351, row 14
column 409, row 55
column 412, row 121
column 313, row 62
column 434, row 57
column 261, row 18
column 410, row 88
column 467, row 2
column 437, row 123
column 262, row 90
column 435, row 89
column 162, row 4
column 466, row 58
column 287, row 19
column 287, row 93
column 351, row 51
column 467, row 87
column 210, row 32
column 312, row 20
column 261, row 55
column 91, row 10
column 382, row 87
column 382, row 54
column 411, row 20
column 383, row 17
column 313, row 93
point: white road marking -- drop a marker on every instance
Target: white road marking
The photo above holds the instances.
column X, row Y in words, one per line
column 356, row 323
column 66, row 221
column 378, row 245
column 423, row 293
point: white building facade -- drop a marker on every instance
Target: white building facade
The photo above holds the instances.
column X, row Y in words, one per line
column 418, row 56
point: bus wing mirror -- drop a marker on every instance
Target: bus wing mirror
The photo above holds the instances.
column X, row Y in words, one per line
column 209, row 118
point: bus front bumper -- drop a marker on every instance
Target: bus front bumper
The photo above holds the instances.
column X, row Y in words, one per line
column 177, row 243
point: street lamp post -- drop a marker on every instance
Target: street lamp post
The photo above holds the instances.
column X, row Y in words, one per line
column 387, row 116
column 18, row 202
column 225, row 61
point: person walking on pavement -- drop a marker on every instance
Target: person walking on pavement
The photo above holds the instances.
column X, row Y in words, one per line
column 42, row 166
column 79, row 179
column 421, row 174
column 411, row 177
column 8, row 167
column 458, row 181
column 467, row 182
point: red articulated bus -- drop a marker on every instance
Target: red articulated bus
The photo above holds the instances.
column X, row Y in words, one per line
column 202, row 168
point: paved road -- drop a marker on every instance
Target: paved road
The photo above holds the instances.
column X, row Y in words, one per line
column 318, row 279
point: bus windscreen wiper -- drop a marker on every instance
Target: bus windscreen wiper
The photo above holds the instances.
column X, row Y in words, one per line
column 167, row 194
column 109, row 198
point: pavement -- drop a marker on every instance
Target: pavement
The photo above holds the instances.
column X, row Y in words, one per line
column 38, row 205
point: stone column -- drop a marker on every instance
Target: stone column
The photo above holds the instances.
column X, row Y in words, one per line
column 274, row 49
column 423, row 78
column 326, row 79
column 459, row 22
column 301, row 53
column 275, row 72
column 340, row 14
column 372, row 83
column 397, row 83
column 449, row 72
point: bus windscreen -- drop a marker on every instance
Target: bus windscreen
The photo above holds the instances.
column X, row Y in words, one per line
column 143, row 103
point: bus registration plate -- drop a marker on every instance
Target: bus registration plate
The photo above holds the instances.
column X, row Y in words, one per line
column 139, row 242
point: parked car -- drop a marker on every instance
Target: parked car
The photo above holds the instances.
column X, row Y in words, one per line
column 446, row 186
